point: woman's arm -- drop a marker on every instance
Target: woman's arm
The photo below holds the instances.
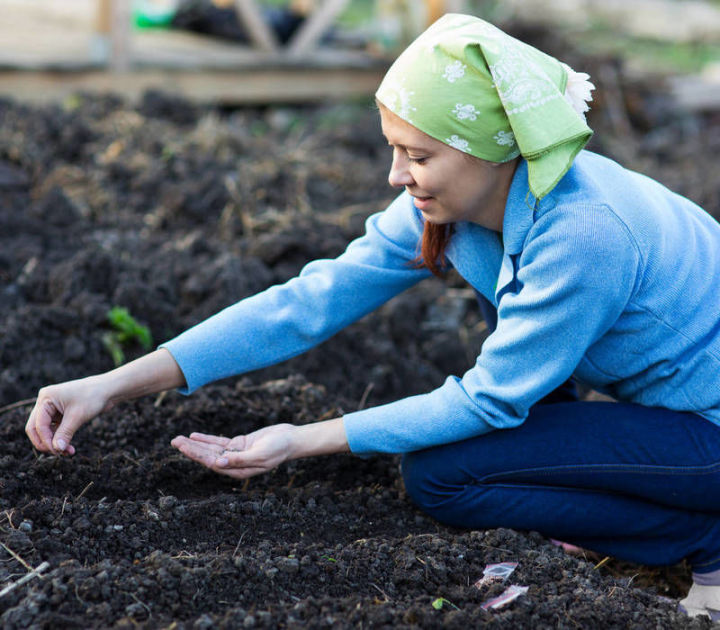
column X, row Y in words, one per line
column 60, row 410
column 572, row 284
column 261, row 330
column 328, row 295
column 258, row 452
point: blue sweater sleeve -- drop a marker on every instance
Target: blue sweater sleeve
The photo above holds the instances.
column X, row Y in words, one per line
column 285, row 320
column 574, row 277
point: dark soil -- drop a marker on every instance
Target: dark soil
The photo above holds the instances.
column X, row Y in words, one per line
column 174, row 211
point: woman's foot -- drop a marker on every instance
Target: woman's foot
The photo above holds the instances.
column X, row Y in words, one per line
column 702, row 600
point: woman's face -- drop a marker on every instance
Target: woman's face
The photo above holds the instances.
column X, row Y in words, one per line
column 448, row 185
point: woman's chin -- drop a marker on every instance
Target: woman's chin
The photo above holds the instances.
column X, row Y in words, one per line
column 433, row 218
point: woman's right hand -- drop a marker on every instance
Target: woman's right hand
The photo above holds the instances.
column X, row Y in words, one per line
column 60, row 410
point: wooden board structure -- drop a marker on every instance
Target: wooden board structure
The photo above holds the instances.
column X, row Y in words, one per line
column 301, row 85
column 64, row 60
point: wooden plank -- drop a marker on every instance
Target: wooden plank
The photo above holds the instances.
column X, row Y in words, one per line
column 456, row 6
column 314, row 27
column 173, row 50
column 259, row 32
column 248, row 87
column 437, row 8
column 697, row 93
column 103, row 17
column 120, row 35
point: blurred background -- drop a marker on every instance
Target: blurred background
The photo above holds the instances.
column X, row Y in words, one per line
column 245, row 51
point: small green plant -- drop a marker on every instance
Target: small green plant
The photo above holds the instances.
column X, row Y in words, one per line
column 125, row 331
column 441, row 601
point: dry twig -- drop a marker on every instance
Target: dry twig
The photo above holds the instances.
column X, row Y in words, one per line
column 17, row 557
column 384, row 594
column 130, row 459
column 160, row 398
column 603, row 561
column 9, row 516
column 25, row 578
column 82, row 494
column 19, row 403
column 239, row 543
column 364, row 398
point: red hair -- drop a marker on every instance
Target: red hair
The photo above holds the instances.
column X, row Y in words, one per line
column 432, row 249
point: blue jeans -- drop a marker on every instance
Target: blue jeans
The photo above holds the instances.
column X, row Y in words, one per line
column 637, row 483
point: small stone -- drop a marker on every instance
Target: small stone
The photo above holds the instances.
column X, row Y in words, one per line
column 167, row 502
column 203, row 622
column 26, row 526
column 136, row 610
column 271, row 572
column 249, row 622
column 289, row 565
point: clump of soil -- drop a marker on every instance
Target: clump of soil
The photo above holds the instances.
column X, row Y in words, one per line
column 175, row 211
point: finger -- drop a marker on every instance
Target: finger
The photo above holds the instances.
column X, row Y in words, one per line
column 65, row 431
column 202, row 453
column 210, row 439
column 196, row 445
column 32, row 433
column 42, row 417
column 34, row 437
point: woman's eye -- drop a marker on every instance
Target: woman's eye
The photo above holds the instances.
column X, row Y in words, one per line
column 421, row 160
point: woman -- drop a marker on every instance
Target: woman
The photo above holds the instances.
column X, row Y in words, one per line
column 590, row 270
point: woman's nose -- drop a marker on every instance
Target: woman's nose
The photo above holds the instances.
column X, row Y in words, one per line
column 399, row 175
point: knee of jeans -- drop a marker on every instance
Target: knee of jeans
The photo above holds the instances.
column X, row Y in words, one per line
column 423, row 482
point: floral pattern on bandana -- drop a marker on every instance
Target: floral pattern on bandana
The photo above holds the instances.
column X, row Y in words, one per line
column 458, row 143
column 454, row 71
column 465, row 112
column 504, row 138
column 520, row 82
column 398, row 100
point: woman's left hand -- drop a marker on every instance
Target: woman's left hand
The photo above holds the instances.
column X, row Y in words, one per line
column 242, row 456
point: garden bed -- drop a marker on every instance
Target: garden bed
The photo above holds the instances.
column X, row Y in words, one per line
column 173, row 211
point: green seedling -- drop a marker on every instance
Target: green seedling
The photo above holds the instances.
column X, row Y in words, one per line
column 441, row 601
column 125, row 331
column 72, row 102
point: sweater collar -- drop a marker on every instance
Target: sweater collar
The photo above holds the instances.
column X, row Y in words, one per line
column 519, row 211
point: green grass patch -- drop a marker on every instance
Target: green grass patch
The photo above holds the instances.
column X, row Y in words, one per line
column 655, row 55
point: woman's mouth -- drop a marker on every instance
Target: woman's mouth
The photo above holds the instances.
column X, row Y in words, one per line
column 421, row 203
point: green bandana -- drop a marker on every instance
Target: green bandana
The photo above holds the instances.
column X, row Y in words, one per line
column 468, row 84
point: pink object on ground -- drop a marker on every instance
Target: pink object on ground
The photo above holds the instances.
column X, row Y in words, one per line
column 508, row 595
column 567, row 547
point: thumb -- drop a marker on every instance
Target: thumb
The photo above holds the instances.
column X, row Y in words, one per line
column 65, row 432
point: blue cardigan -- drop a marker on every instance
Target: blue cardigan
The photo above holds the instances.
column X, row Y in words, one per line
column 611, row 277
